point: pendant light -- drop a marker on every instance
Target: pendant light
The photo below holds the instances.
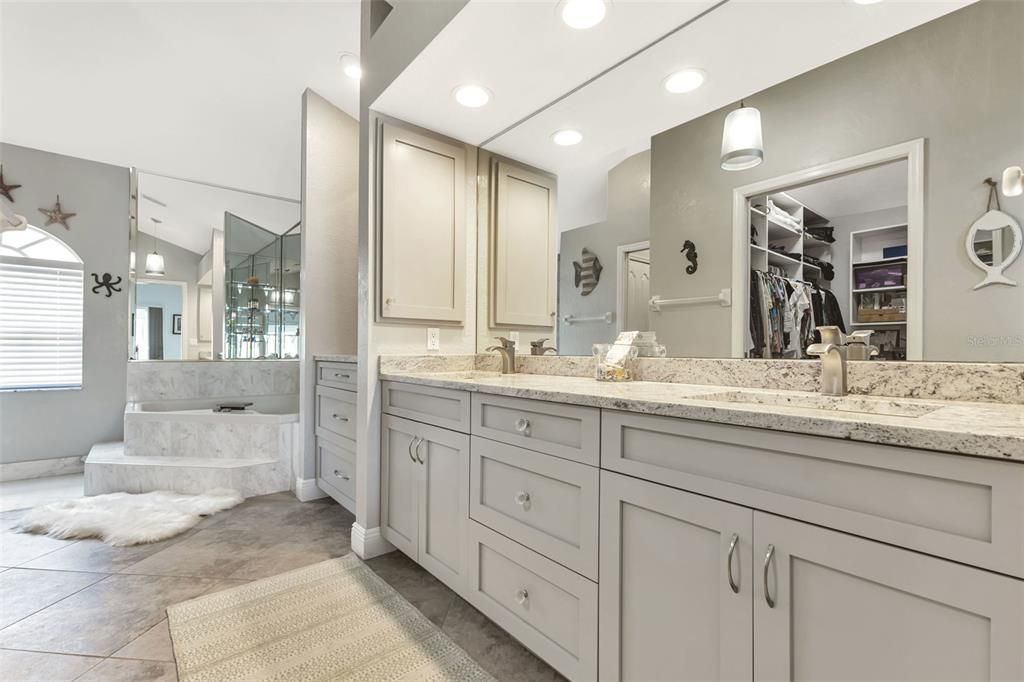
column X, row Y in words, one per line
column 154, row 261
column 742, row 146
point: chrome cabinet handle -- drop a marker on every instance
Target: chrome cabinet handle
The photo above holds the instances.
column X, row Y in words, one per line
column 417, row 450
column 339, row 375
column 338, row 417
column 523, row 426
column 344, row 477
column 522, row 498
column 411, row 443
column 522, row 596
column 728, row 568
column 767, row 564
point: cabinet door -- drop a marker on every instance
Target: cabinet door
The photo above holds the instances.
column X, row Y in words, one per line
column 400, row 483
column 672, row 605
column 443, row 504
column 524, row 235
column 853, row 609
column 422, row 249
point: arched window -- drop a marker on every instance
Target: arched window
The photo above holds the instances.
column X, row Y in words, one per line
column 40, row 312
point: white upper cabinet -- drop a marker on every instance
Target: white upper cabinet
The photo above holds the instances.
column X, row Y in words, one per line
column 422, row 249
column 523, row 253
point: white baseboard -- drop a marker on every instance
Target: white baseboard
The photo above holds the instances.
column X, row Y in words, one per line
column 307, row 490
column 41, row 468
column 368, row 542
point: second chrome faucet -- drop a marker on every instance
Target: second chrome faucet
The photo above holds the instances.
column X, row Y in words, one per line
column 507, row 349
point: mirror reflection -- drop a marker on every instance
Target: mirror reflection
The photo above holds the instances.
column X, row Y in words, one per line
column 215, row 272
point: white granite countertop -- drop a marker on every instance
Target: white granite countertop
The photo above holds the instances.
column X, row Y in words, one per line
column 979, row 429
column 335, row 357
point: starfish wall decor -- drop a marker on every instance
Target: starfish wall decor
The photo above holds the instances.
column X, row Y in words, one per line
column 56, row 215
column 5, row 189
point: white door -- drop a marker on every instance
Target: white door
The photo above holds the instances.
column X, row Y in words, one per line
column 524, row 278
column 443, row 504
column 638, row 291
column 676, row 584
column 831, row 606
column 400, row 483
column 422, row 249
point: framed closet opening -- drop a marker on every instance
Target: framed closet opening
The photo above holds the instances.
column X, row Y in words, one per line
column 633, row 287
column 837, row 244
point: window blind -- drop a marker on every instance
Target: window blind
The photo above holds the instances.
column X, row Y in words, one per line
column 40, row 324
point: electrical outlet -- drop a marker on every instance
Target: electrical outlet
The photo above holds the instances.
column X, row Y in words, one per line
column 514, row 338
column 433, row 338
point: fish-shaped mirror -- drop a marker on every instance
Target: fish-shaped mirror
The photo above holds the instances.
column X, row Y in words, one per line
column 587, row 272
column 993, row 243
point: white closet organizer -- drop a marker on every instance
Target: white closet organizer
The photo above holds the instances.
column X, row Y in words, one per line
column 774, row 229
column 878, row 287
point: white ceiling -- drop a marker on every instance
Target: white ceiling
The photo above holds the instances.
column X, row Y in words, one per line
column 203, row 90
column 872, row 189
column 525, row 55
column 194, row 210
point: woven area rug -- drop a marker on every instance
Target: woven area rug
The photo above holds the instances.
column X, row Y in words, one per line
column 335, row 620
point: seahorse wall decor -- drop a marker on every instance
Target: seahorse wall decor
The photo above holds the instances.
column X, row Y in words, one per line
column 690, row 249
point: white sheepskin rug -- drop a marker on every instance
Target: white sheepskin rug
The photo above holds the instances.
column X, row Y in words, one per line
column 122, row 519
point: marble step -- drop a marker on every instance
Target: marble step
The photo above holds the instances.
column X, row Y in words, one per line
column 109, row 470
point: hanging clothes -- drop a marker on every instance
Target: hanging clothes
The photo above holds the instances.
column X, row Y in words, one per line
column 783, row 316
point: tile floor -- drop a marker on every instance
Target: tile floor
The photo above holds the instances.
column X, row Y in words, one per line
column 82, row 610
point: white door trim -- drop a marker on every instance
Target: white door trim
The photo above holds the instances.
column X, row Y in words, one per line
column 621, row 273
column 913, row 152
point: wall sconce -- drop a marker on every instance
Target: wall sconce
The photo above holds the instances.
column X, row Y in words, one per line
column 1013, row 181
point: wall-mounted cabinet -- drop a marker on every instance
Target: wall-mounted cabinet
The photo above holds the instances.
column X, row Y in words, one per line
column 523, row 258
column 421, row 268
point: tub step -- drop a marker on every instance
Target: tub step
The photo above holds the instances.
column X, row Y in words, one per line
column 109, row 470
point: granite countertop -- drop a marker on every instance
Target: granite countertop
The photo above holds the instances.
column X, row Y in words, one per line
column 335, row 357
column 979, row 429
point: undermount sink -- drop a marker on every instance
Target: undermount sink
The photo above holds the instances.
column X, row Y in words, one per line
column 881, row 406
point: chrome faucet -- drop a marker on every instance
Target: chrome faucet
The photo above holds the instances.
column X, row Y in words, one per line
column 858, row 345
column 507, row 349
column 832, row 351
column 538, row 348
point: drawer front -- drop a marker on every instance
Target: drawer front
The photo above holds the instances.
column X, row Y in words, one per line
column 547, row 607
column 337, row 375
column 442, row 407
column 337, row 465
column 336, row 411
column 546, row 503
column 568, row 431
column 963, row 508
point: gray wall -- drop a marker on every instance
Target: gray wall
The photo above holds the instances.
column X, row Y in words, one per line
column 48, row 424
column 180, row 265
column 955, row 81
column 629, row 202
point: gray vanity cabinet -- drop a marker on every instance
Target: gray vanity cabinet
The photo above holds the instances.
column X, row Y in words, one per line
column 848, row 607
column 425, row 495
column 676, row 584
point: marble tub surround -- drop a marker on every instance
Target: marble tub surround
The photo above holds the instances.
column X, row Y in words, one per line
column 335, row 357
column 210, row 379
column 969, row 428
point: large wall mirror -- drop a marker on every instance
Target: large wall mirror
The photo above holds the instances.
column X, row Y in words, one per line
column 215, row 272
column 729, row 197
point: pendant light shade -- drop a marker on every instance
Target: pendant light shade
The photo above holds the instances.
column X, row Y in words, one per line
column 742, row 146
column 154, row 264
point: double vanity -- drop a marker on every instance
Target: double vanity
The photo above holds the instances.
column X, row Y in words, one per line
column 662, row 530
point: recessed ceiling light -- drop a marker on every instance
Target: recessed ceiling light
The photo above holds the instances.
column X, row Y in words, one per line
column 567, row 137
column 583, row 14
column 350, row 66
column 865, row 2
column 472, row 96
column 686, row 80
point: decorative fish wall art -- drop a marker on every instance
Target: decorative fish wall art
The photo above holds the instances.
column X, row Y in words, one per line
column 588, row 272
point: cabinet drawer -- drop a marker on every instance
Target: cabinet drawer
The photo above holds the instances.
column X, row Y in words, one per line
column 336, row 411
column 336, row 462
column 442, row 407
column 546, row 503
column 963, row 508
column 547, row 607
column 568, row 431
column 336, row 375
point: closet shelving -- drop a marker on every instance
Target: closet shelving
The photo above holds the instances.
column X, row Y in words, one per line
column 878, row 287
column 789, row 235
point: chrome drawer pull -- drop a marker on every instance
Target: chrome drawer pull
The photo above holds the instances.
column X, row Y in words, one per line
column 411, row 443
column 339, row 375
column 767, row 563
column 523, row 426
column 522, row 498
column 344, row 477
column 728, row 564
column 338, row 417
column 522, row 596
column 417, row 449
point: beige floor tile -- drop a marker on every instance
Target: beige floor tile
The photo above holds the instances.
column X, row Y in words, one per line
column 124, row 670
column 33, row 492
column 23, row 592
column 152, row 645
column 31, row 666
column 95, row 556
column 102, row 618
column 19, row 548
